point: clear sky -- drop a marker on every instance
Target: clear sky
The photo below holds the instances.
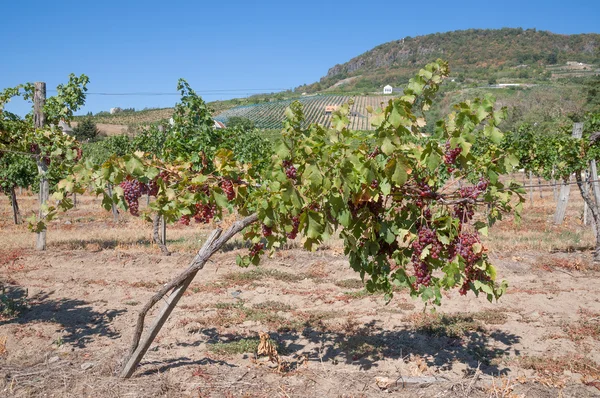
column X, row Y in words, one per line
column 237, row 47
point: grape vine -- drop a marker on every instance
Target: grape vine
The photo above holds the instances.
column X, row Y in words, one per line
column 405, row 207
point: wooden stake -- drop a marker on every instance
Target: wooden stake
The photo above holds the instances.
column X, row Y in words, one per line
column 39, row 120
column 596, row 190
column 531, row 187
column 565, row 189
column 15, row 206
column 114, row 209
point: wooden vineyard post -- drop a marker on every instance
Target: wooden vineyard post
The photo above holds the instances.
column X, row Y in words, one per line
column 531, row 186
column 554, row 190
column 15, row 206
column 163, row 235
column 115, row 212
column 565, row 188
column 595, row 189
column 586, row 209
column 39, row 119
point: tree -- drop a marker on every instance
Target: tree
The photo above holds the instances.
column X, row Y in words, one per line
column 16, row 170
column 86, row 130
column 37, row 137
column 565, row 156
column 403, row 204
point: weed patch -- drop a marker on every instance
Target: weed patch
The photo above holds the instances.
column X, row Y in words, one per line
column 490, row 317
column 448, row 325
column 241, row 346
column 11, row 306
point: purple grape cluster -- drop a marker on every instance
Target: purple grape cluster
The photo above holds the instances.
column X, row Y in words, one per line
column 266, row 230
column 450, row 156
column 374, row 184
column 227, row 187
column 463, row 246
column 290, row 170
column 465, row 211
column 295, row 225
column 426, row 191
column 204, row 212
column 133, row 189
column 256, row 249
column 185, row 219
column 426, row 237
column 152, row 188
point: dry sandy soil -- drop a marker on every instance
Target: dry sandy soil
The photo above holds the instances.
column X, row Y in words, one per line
column 82, row 296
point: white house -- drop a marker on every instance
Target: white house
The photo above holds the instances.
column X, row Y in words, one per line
column 388, row 89
column 217, row 125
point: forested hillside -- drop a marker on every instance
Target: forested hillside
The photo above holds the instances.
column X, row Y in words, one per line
column 474, row 55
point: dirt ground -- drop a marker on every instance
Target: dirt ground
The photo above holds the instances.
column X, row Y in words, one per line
column 81, row 299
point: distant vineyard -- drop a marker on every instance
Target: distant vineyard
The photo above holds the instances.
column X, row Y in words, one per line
column 270, row 115
column 146, row 116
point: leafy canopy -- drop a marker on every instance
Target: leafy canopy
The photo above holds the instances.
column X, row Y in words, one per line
column 403, row 204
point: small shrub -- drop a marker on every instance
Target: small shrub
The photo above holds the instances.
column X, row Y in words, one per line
column 11, row 307
column 448, row 325
column 242, row 346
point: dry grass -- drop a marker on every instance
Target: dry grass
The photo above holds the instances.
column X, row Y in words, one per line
column 89, row 227
column 260, row 274
column 587, row 326
column 569, row 263
column 557, row 366
column 536, row 230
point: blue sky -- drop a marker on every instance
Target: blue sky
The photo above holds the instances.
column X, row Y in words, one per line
column 238, row 46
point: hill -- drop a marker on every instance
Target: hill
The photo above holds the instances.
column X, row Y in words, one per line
column 475, row 55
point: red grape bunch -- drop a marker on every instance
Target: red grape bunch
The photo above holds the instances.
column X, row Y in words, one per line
column 295, row 225
column 426, row 237
column 450, row 156
column 204, row 212
column 256, row 249
column 465, row 211
column 132, row 189
column 290, row 170
column 227, row 187
column 463, row 246
column 266, row 231
column 426, row 191
column 152, row 188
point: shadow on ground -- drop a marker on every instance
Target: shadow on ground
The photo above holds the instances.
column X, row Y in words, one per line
column 367, row 346
column 79, row 321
